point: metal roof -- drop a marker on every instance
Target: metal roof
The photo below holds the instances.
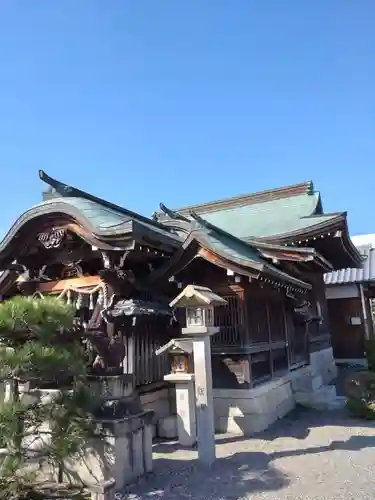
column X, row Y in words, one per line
column 363, row 274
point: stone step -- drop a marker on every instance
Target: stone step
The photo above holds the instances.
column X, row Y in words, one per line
column 167, row 427
column 319, row 399
column 316, row 382
column 338, row 404
column 308, row 383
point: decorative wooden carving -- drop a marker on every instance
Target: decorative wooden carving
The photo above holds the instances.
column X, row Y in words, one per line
column 303, row 314
column 71, row 271
column 52, row 239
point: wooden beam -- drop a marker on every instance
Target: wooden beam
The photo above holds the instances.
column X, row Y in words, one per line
column 60, row 285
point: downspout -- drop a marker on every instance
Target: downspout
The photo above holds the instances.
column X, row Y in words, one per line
column 364, row 310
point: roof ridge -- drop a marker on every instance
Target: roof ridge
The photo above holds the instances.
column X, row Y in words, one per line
column 69, row 191
column 250, row 199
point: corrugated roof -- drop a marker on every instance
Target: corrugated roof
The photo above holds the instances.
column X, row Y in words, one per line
column 363, row 274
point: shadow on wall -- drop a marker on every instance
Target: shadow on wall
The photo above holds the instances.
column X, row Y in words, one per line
column 223, row 377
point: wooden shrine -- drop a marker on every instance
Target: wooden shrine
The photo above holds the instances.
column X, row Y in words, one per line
column 264, row 253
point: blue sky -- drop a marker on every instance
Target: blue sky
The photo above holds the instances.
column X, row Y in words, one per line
column 142, row 101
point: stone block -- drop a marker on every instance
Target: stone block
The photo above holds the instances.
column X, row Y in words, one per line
column 285, row 407
column 246, row 412
column 147, row 447
column 137, row 452
column 123, row 453
column 151, row 397
column 111, row 386
column 186, row 414
column 323, row 363
column 237, row 406
column 160, row 408
column 320, row 399
column 104, row 491
column 338, row 403
column 167, row 427
column 244, row 426
column 316, row 382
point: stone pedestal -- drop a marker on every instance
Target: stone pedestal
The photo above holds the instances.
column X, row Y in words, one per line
column 323, row 363
column 114, row 394
column 104, row 491
column 204, row 399
column 123, row 453
column 185, row 405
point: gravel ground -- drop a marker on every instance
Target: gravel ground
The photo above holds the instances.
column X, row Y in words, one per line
column 307, row 455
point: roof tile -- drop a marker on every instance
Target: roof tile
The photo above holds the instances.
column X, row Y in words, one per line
column 364, row 274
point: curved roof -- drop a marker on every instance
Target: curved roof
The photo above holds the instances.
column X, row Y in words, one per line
column 98, row 217
column 225, row 250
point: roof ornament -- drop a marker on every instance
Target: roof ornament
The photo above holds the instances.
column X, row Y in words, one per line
column 59, row 187
column 172, row 214
column 65, row 190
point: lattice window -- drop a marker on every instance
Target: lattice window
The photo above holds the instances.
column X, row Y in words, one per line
column 228, row 319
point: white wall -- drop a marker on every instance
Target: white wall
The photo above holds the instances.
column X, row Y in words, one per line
column 342, row 291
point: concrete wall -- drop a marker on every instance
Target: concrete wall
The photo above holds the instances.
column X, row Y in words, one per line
column 341, row 291
column 323, row 363
column 247, row 411
column 161, row 400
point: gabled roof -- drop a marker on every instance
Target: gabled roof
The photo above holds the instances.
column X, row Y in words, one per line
column 284, row 215
column 284, row 192
column 225, row 250
column 265, row 214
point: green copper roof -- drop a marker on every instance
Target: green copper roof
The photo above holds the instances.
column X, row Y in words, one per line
column 99, row 216
column 269, row 218
column 241, row 253
column 233, row 249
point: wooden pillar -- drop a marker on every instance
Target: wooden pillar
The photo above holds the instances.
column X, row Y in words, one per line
column 244, row 317
column 243, row 297
column 364, row 312
column 129, row 358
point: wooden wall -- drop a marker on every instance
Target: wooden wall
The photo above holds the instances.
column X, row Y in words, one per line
column 348, row 341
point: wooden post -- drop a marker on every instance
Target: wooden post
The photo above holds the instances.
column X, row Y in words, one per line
column 129, row 358
column 364, row 311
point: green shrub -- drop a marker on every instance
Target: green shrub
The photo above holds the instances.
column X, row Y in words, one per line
column 370, row 354
column 35, row 344
column 360, row 392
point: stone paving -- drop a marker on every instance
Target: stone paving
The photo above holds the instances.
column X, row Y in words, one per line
column 307, row 455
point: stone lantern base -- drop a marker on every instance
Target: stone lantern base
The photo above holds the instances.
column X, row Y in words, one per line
column 124, row 454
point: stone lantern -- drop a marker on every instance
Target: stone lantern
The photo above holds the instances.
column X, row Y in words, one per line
column 180, row 352
column 199, row 302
